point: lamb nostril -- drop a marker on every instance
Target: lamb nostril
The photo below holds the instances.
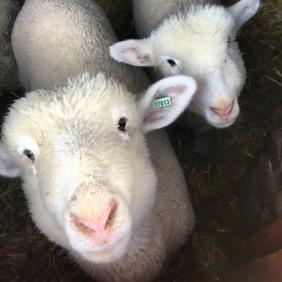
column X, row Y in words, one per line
column 223, row 112
column 112, row 213
column 80, row 225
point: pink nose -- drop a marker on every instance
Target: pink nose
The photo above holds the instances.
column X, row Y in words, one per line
column 99, row 230
column 223, row 112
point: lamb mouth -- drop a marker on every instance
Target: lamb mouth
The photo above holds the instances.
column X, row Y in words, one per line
column 106, row 248
column 103, row 254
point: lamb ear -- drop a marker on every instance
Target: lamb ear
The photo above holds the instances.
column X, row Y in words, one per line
column 165, row 100
column 8, row 167
column 133, row 52
column 243, row 10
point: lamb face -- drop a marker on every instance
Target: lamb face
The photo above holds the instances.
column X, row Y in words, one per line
column 199, row 42
column 82, row 155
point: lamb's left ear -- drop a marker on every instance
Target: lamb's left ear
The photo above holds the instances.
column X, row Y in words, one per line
column 243, row 10
column 8, row 167
column 133, row 52
column 165, row 100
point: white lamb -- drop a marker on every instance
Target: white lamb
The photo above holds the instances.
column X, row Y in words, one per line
column 92, row 184
column 88, row 178
column 8, row 69
column 197, row 38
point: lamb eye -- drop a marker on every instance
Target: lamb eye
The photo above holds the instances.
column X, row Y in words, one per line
column 171, row 62
column 29, row 155
column 122, row 124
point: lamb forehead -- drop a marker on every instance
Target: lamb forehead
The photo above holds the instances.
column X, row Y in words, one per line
column 84, row 98
column 195, row 29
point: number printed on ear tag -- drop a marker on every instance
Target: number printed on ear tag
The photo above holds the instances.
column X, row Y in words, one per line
column 161, row 103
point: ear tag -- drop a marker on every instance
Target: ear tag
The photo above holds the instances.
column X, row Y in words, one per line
column 162, row 103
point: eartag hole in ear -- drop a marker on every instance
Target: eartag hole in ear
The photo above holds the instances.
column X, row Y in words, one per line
column 162, row 103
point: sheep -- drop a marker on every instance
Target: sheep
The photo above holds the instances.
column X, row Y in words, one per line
column 55, row 39
column 95, row 185
column 89, row 180
column 8, row 68
column 197, row 38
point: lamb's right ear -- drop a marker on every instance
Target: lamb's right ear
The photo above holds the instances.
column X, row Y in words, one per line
column 133, row 52
column 165, row 100
column 8, row 167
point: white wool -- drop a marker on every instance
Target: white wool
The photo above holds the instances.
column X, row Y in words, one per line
column 198, row 34
column 57, row 39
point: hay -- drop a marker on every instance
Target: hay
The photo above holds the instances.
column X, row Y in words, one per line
column 215, row 181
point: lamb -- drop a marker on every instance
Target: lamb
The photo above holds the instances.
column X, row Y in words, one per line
column 8, row 69
column 117, row 201
column 88, row 178
column 197, row 38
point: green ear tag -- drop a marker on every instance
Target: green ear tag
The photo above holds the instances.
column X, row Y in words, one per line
column 161, row 103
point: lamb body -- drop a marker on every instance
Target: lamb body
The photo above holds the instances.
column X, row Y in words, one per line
column 56, row 39
column 197, row 38
column 8, row 69
column 92, row 184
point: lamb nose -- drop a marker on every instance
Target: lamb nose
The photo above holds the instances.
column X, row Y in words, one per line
column 223, row 112
column 97, row 229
